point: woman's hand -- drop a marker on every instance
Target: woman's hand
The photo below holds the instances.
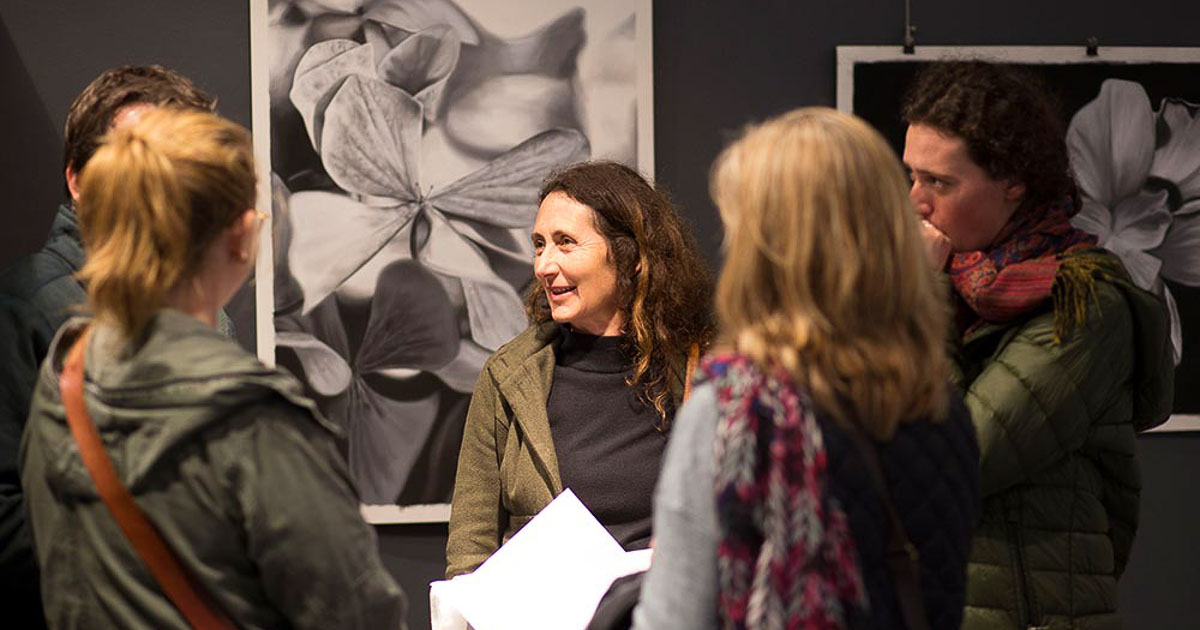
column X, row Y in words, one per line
column 937, row 245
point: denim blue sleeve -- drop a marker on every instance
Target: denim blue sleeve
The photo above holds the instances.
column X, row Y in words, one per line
column 680, row 590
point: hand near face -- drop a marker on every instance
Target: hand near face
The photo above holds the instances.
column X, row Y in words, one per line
column 937, row 245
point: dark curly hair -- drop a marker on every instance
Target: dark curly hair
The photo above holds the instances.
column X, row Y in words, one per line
column 1011, row 124
column 665, row 288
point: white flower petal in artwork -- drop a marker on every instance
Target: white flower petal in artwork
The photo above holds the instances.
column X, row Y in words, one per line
column 510, row 244
column 1140, row 221
column 494, row 310
column 412, row 323
column 461, row 373
column 1111, row 142
column 325, row 370
column 1094, row 218
column 333, row 236
column 551, row 50
column 1176, row 327
column 1180, row 250
column 1178, row 159
column 335, row 6
column 321, row 70
column 417, row 15
column 1142, row 266
column 385, row 438
column 497, row 113
column 421, row 64
column 504, row 191
column 288, row 293
column 370, row 143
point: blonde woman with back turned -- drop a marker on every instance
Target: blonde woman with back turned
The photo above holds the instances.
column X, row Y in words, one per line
column 236, row 471
column 829, row 359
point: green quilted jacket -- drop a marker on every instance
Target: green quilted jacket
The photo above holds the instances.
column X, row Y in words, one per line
column 1057, row 399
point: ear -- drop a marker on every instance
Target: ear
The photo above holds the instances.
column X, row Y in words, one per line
column 1014, row 191
column 72, row 183
column 241, row 235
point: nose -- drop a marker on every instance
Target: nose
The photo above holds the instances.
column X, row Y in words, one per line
column 920, row 200
column 544, row 264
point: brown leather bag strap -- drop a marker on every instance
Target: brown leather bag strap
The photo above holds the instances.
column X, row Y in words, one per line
column 187, row 595
column 693, row 358
column 903, row 560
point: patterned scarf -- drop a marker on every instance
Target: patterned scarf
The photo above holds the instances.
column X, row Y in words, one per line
column 1015, row 277
column 786, row 559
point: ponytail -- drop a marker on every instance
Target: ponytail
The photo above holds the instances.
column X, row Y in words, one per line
column 152, row 200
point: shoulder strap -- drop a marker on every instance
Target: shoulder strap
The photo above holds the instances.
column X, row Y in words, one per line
column 187, row 595
column 693, row 358
column 903, row 560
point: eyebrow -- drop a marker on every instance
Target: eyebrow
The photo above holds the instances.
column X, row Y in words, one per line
column 927, row 172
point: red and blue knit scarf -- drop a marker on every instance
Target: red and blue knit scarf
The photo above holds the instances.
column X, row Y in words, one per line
column 786, row 558
column 1016, row 276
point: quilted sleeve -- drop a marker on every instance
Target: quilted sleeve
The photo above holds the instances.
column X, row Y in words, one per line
column 22, row 345
column 477, row 517
column 1036, row 400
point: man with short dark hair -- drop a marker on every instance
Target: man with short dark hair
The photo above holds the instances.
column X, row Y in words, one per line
column 39, row 292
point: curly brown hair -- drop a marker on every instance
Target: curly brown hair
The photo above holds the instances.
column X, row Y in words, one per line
column 1010, row 122
column 665, row 288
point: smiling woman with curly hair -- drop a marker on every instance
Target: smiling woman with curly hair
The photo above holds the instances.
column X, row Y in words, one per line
column 583, row 398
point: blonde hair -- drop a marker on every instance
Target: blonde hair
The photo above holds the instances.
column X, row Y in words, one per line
column 152, row 200
column 826, row 273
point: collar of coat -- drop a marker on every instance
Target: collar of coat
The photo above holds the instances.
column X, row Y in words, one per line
column 523, row 370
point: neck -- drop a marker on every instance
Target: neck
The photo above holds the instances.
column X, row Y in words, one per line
column 190, row 297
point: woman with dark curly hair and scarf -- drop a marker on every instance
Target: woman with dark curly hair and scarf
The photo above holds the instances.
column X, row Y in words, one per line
column 584, row 397
column 1060, row 356
column 830, row 357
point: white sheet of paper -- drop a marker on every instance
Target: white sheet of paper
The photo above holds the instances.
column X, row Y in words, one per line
column 551, row 575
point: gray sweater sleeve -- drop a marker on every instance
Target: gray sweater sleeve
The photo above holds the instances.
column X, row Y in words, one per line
column 680, row 590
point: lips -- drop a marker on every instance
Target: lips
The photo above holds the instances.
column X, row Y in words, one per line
column 558, row 293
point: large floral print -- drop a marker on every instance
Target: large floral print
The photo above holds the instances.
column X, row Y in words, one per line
column 408, row 145
column 1138, row 170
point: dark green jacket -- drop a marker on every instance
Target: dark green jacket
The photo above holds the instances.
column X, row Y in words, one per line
column 1056, row 423
column 37, row 294
column 507, row 467
column 234, row 467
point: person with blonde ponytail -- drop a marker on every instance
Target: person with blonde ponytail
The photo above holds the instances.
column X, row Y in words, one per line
column 40, row 292
column 829, row 363
column 235, row 470
column 584, row 397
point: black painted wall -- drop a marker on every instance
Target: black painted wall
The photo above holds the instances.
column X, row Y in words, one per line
column 718, row 65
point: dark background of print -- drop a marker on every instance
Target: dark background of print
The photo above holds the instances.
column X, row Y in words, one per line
column 717, row 66
column 879, row 90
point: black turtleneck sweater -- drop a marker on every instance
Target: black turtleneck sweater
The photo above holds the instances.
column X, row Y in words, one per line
column 609, row 449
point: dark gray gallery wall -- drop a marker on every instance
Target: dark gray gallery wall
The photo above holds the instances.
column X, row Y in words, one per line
column 718, row 65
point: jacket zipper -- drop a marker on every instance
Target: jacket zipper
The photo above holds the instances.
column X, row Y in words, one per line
column 1024, row 596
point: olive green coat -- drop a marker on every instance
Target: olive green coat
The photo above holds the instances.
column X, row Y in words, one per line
column 236, row 470
column 507, row 467
column 1056, row 423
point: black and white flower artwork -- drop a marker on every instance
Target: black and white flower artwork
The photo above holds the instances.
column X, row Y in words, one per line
column 1133, row 134
column 408, row 140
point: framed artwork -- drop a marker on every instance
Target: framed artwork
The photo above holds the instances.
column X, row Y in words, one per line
column 1133, row 132
column 401, row 145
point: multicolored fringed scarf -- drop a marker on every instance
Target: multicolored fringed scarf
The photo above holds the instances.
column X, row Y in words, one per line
column 786, row 559
column 1016, row 276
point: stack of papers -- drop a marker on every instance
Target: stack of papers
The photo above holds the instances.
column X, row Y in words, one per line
column 551, row 574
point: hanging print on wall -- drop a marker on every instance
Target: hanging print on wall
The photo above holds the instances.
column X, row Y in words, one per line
column 404, row 142
column 1133, row 135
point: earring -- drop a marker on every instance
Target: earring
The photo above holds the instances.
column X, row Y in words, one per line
column 243, row 256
